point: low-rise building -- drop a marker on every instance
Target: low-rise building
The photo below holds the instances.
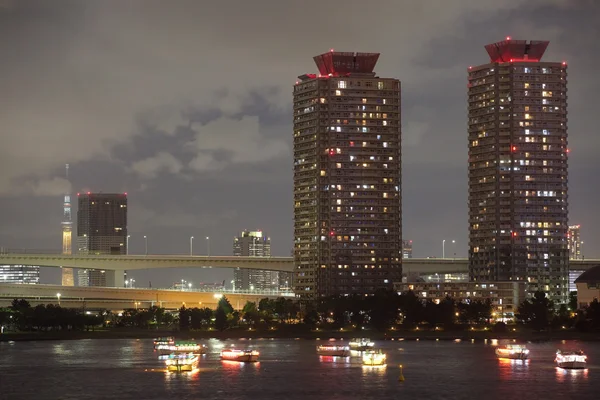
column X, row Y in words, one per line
column 505, row 296
column 588, row 287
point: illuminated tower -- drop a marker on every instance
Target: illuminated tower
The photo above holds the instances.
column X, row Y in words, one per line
column 67, row 229
column 347, row 178
column 575, row 243
column 518, row 199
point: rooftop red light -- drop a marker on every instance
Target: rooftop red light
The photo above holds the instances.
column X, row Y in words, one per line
column 517, row 50
column 340, row 63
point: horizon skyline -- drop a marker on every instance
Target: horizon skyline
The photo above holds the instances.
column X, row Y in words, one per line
column 188, row 147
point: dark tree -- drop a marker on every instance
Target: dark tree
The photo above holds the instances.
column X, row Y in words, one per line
column 537, row 311
column 184, row 319
column 220, row 319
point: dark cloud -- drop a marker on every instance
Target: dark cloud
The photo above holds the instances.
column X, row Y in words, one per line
column 187, row 107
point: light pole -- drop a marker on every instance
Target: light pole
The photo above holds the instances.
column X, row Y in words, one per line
column 58, row 296
column 127, row 245
column 189, row 286
column 454, row 243
column 233, row 286
column 191, row 245
column 132, row 283
column 182, row 284
column 126, row 282
column 146, row 243
column 443, row 248
column 208, row 245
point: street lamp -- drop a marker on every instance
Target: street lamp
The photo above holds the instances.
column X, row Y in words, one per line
column 146, row 243
column 233, row 286
column 190, row 286
column 58, row 296
column 127, row 245
column 208, row 245
column 191, row 245
column 126, row 282
column 444, row 247
column 132, row 283
column 182, row 284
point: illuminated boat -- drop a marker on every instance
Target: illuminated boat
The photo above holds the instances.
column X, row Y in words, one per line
column 361, row 344
column 333, row 350
column 163, row 341
column 240, row 355
column 374, row 358
column 571, row 359
column 180, row 346
column 513, row 352
column 181, row 362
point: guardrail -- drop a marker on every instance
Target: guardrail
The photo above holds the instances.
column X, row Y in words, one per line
column 277, row 293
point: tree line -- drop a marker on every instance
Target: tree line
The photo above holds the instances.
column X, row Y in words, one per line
column 383, row 311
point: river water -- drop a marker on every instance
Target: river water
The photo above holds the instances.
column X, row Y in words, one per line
column 289, row 370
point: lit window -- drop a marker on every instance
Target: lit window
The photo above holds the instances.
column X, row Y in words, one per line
column 385, row 195
column 338, row 165
column 323, row 173
column 364, row 101
column 379, row 85
column 323, row 100
column 342, row 84
column 385, row 144
column 546, row 93
column 338, row 92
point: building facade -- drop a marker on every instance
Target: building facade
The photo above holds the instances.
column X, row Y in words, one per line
column 505, row 296
column 26, row 274
column 518, row 199
column 347, row 178
column 101, row 229
column 407, row 249
column 255, row 244
column 575, row 243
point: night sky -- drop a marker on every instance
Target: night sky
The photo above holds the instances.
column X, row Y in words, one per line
column 187, row 106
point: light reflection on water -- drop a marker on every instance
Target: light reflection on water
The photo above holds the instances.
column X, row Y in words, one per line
column 290, row 370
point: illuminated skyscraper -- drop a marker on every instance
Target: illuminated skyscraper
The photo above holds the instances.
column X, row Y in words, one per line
column 407, row 249
column 347, row 178
column 101, row 229
column 26, row 274
column 67, row 240
column 518, row 168
column 575, row 243
column 254, row 244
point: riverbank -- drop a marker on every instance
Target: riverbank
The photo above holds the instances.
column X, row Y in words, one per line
column 522, row 335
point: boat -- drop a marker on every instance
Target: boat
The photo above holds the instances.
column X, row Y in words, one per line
column 181, row 362
column 240, row 355
column 361, row 344
column 374, row 358
column 181, row 346
column 513, row 352
column 333, row 350
column 571, row 359
column 163, row 341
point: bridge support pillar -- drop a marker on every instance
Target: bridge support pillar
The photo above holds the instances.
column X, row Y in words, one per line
column 115, row 278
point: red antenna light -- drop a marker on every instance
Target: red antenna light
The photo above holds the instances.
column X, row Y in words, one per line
column 564, row 63
column 511, row 60
column 332, row 233
column 89, row 193
column 514, row 233
column 508, row 38
column 331, row 50
column 514, row 148
column 125, row 193
column 78, row 194
column 567, row 150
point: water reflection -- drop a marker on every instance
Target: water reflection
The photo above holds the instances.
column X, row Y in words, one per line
column 571, row 375
column 334, row 359
column 509, row 369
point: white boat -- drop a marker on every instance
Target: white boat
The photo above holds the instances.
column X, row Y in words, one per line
column 163, row 341
column 240, row 355
column 333, row 350
column 571, row 359
column 180, row 347
column 181, row 362
column 374, row 358
column 361, row 344
column 513, row 352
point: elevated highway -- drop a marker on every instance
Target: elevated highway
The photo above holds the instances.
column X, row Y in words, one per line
column 118, row 299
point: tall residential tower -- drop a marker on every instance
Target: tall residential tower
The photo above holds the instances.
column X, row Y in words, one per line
column 101, row 229
column 347, row 178
column 575, row 243
column 518, row 168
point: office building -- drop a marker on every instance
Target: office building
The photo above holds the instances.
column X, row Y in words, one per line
column 347, row 178
column 26, row 274
column 575, row 243
column 101, row 229
column 254, row 244
column 407, row 249
column 68, row 278
column 518, row 168
column 505, row 296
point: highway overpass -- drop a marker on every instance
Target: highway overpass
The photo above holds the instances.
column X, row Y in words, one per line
column 116, row 265
column 118, row 299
